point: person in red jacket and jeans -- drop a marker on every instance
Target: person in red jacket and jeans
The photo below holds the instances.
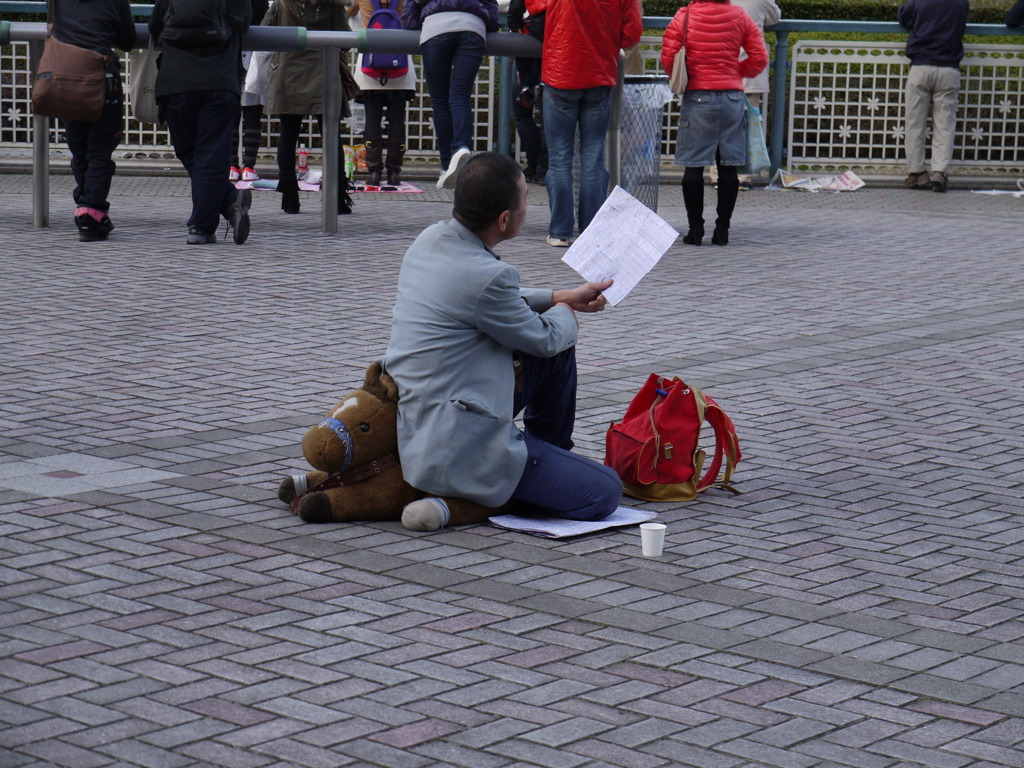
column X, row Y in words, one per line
column 712, row 128
column 579, row 66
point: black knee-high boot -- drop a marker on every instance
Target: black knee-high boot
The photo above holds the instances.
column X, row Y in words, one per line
column 693, row 198
column 287, row 183
column 728, row 189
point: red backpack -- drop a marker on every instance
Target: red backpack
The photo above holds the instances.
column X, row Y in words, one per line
column 655, row 448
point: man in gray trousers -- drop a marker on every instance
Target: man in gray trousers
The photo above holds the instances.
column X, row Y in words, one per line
column 470, row 349
column 935, row 47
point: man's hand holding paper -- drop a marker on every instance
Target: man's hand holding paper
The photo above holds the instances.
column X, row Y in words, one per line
column 623, row 242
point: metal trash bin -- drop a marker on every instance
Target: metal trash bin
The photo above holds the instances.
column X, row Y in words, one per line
column 643, row 106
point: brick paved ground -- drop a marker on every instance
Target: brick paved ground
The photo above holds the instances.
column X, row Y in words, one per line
column 859, row 605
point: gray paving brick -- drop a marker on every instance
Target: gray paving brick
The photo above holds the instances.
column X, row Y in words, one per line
column 911, row 753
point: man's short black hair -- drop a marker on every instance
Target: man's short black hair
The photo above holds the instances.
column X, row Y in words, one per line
column 487, row 185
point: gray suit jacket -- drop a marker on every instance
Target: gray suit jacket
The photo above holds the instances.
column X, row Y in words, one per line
column 459, row 316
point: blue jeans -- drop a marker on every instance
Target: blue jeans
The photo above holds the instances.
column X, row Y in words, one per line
column 450, row 64
column 201, row 125
column 555, row 482
column 565, row 111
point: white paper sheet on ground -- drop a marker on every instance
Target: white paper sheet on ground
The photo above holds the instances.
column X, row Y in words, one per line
column 624, row 241
column 847, row 182
column 997, row 192
column 556, row 528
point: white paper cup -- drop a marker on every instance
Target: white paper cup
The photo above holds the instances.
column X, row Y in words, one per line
column 652, row 538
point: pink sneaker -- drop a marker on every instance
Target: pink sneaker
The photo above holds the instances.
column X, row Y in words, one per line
column 234, row 174
column 248, row 174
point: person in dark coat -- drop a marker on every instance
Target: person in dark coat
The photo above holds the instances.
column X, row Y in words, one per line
column 198, row 90
column 96, row 25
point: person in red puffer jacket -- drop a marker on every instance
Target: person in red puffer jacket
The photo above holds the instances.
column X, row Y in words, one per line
column 579, row 67
column 712, row 128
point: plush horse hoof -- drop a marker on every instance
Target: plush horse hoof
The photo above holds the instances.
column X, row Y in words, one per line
column 315, row 508
column 286, row 490
column 430, row 514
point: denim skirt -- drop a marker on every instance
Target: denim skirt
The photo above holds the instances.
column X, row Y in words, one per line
column 711, row 121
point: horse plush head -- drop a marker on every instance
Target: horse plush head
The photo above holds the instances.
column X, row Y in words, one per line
column 362, row 427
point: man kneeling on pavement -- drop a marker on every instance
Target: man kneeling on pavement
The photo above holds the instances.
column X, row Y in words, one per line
column 470, row 349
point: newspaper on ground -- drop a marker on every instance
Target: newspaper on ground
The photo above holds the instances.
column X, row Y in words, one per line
column 846, row 182
column 557, row 528
column 624, row 242
column 1011, row 192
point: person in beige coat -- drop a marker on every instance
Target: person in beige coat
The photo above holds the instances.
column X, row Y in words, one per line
column 296, row 87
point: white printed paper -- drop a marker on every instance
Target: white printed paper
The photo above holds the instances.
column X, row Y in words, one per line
column 624, row 242
column 846, row 182
column 557, row 528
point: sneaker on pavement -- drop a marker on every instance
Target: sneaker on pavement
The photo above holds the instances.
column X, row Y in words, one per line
column 234, row 174
column 558, row 242
column 106, row 225
column 238, row 215
column 248, row 174
column 196, row 236
column 89, row 230
column 449, row 177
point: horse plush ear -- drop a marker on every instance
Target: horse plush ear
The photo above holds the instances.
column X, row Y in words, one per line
column 380, row 385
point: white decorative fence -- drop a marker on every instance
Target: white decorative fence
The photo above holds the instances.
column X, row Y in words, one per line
column 846, row 106
column 844, row 110
column 147, row 140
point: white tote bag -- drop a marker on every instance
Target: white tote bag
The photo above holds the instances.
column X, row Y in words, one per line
column 142, row 89
column 680, row 77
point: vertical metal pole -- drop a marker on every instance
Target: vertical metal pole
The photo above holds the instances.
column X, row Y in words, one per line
column 330, row 184
column 506, row 91
column 40, row 153
column 779, row 99
column 614, row 136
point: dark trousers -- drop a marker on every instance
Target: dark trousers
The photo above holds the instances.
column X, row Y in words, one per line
column 556, row 482
column 92, row 146
column 530, row 135
column 200, row 123
column 376, row 104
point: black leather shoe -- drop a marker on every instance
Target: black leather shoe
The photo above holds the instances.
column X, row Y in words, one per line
column 238, row 215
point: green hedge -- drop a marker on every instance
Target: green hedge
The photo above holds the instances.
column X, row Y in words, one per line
column 982, row 11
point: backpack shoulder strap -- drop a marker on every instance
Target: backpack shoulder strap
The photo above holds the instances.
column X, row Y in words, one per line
column 727, row 446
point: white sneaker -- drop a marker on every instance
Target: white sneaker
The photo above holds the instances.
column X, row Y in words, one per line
column 234, row 174
column 558, row 242
column 248, row 174
column 448, row 178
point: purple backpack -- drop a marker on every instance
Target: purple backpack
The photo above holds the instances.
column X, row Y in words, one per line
column 385, row 66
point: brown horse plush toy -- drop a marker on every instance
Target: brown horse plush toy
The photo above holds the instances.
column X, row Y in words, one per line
column 359, row 475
